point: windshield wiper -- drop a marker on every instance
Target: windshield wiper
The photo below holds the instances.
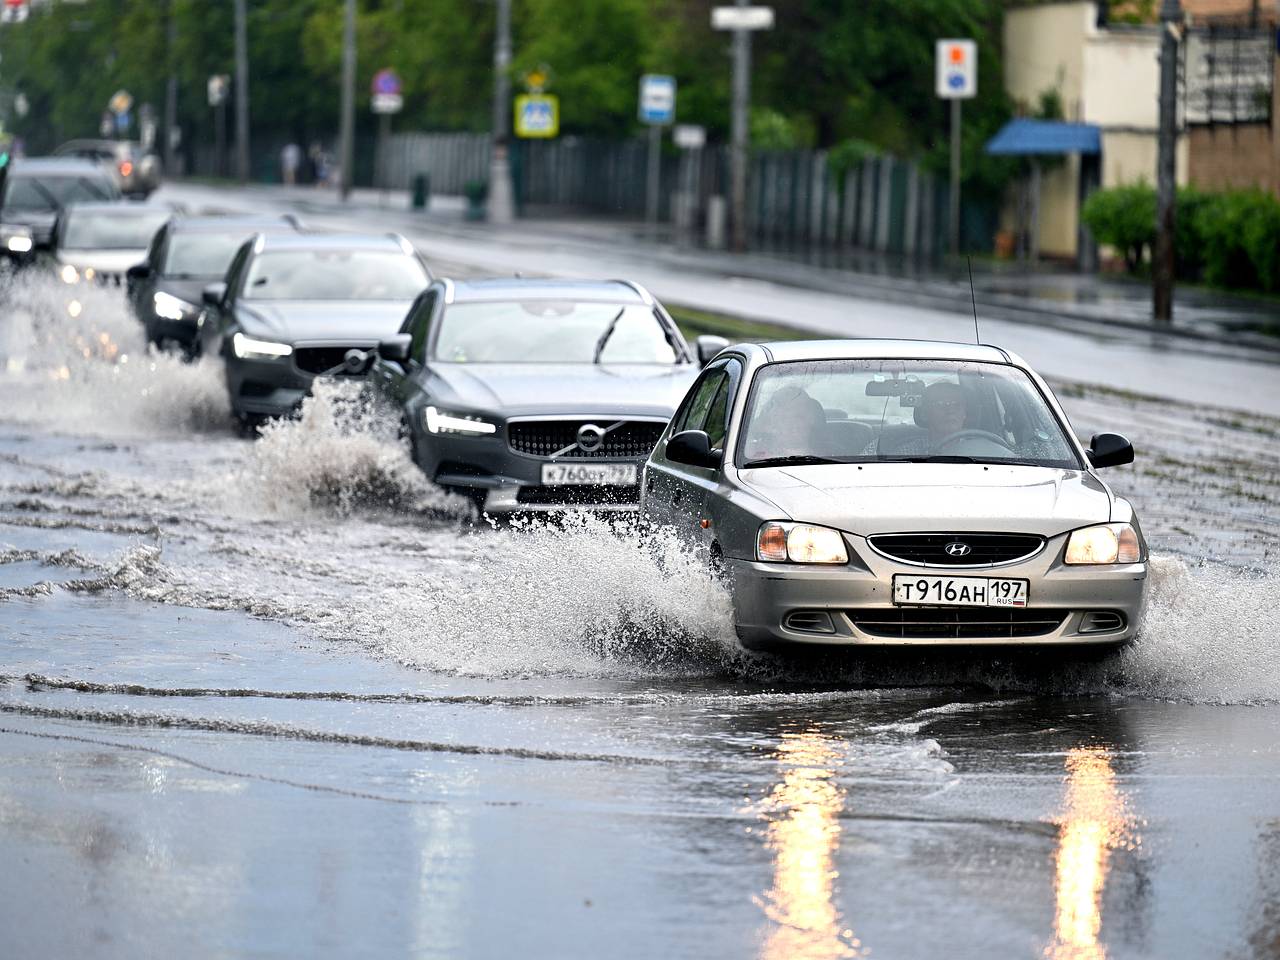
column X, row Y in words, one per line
column 935, row 458
column 608, row 332
column 795, row 460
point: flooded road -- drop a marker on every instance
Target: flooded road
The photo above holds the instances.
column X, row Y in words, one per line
column 283, row 696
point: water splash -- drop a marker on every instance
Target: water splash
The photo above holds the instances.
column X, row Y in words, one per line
column 76, row 358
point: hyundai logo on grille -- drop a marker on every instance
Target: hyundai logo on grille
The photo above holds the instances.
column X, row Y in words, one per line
column 590, row 437
column 957, row 549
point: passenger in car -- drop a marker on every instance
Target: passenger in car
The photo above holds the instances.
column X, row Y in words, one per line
column 791, row 424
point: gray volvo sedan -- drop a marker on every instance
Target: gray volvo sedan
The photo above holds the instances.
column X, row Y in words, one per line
column 885, row 492
column 535, row 395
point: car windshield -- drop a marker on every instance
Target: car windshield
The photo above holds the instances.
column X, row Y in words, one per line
column 868, row 411
column 335, row 275
column 126, row 228
column 48, row 194
column 553, row 331
column 200, row 256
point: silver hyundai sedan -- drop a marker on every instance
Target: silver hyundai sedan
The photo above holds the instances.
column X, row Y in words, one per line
column 888, row 492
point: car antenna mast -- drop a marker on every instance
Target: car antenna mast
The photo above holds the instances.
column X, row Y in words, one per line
column 974, row 300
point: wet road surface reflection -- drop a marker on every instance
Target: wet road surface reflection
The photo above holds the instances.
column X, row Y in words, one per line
column 1095, row 821
column 803, row 834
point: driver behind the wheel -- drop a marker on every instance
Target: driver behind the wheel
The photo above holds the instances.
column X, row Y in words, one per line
column 943, row 411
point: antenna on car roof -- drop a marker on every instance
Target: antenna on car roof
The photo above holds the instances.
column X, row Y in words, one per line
column 974, row 300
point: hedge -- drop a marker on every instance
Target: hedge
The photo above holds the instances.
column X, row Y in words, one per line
column 1229, row 239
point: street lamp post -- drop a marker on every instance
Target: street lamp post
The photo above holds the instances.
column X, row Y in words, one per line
column 242, row 93
column 346, row 153
column 501, row 203
column 1162, row 257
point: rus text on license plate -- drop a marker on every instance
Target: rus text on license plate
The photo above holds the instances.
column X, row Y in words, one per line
column 581, row 474
column 959, row 591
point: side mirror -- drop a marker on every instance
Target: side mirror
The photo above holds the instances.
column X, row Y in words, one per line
column 694, row 448
column 139, row 271
column 395, row 348
column 1110, row 450
column 708, row 346
column 213, row 294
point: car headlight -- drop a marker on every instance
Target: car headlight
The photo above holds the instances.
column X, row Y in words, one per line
column 1104, row 543
column 17, row 239
column 169, row 307
column 800, row 543
column 247, row 348
column 438, row 421
column 69, row 274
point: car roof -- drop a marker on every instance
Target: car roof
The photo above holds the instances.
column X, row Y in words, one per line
column 231, row 223
column 878, row 349
column 99, row 142
column 56, row 166
column 522, row 288
column 389, row 242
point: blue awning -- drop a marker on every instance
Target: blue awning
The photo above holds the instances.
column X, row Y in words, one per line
column 1024, row 137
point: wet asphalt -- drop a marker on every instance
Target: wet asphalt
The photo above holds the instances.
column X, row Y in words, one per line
column 282, row 697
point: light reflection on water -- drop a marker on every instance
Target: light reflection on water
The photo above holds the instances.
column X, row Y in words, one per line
column 803, row 833
column 1094, row 822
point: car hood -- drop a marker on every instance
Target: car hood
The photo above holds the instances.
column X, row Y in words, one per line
column 532, row 389
column 908, row 497
column 103, row 261
column 348, row 321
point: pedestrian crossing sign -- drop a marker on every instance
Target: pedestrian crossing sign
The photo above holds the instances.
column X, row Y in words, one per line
column 537, row 115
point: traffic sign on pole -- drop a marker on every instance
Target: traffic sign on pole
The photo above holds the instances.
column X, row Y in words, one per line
column 537, row 116
column 687, row 136
column 657, row 99
column 957, row 71
column 742, row 18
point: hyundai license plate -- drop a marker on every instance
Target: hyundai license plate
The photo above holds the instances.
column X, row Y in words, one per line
column 959, row 591
column 581, row 474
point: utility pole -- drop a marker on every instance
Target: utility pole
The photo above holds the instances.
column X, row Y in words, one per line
column 740, row 137
column 953, row 225
column 501, row 198
column 346, row 150
column 1162, row 258
column 171, row 95
column 242, row 93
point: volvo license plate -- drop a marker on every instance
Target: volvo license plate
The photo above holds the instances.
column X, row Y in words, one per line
column 959, row 591
column 583, row 474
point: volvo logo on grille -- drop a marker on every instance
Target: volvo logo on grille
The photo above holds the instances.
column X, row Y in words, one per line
column 957, row 549
column 590, row 437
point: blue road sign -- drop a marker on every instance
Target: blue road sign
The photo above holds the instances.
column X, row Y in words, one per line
column 657, row 99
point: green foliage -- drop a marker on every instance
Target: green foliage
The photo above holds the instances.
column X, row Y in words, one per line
column 1229, row 239
column 1124, row 218
column 770, row 130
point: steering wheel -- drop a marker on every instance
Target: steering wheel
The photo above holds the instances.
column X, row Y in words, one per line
column 974, row 435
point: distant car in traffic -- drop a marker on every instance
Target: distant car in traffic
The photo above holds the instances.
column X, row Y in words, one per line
column 293, row 305
column 36, row 190
column 185, row 256
column 884, row 492
column 530, row 395
column 99, row 242
column 135, row 169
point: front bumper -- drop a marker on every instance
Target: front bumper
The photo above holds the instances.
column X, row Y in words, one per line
column 771, row 599
column 511, row 482
column 265, row 388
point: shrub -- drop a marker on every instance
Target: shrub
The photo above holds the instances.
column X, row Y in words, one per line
column 1124, row 218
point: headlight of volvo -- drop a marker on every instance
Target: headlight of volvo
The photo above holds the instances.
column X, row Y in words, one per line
column 1104, row 543
column 169, row 307
column 248, row 348
column 17, row 239
column 441, row 421
column 800, row 543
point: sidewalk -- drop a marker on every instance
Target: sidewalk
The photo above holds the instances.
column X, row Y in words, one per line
column 1005, row 291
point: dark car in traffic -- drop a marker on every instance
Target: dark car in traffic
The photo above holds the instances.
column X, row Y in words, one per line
column 185, row 256
column 534, row 395
column 135, row 169
column 293, row 305
column 36, row 190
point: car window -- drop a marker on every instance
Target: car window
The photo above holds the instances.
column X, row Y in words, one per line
column 692, row 414
column 893, row 410
column 717, row 422
column 417, row 325
column 126, row 229
column 200, row 255
column 47, row 194
column 335, row 274
column 553, row 331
